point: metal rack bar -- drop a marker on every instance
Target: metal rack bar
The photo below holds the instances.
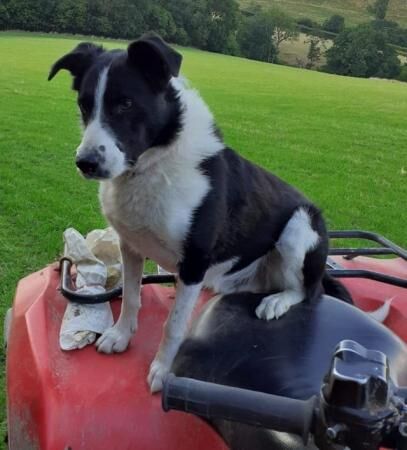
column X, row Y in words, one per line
column 333, row 268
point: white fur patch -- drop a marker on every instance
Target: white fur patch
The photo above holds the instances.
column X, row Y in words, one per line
column 218, row 279
column 97, row 138
column 296, row 240
column 276, row 305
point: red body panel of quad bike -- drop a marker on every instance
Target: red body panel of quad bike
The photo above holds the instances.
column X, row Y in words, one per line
column 85, row 400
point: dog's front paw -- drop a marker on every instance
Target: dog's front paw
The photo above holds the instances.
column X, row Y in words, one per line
column 114, row 340
column 158, row 371
column 275, row 306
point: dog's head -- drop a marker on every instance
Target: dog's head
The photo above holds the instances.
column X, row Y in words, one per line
column 127, row 102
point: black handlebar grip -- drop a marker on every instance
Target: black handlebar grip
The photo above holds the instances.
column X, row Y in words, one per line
column 239, row 405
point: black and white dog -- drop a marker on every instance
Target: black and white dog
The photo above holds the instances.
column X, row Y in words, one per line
column 176, row 194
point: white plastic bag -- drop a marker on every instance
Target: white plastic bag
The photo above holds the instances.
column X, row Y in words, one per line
column 97, row 260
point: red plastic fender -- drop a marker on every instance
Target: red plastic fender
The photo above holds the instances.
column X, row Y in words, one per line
column 83, row 400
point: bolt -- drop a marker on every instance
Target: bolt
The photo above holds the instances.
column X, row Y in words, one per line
column 333, row 432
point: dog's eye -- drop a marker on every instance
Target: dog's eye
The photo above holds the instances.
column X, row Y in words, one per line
column 123, row 106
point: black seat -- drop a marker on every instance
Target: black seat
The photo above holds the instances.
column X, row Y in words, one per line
column 289, row 357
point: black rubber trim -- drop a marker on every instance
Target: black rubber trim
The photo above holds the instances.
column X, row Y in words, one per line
column 215, row 401
column 368, row 274
column 351, row 253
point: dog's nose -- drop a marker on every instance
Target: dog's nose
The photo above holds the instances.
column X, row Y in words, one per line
column 88, row 164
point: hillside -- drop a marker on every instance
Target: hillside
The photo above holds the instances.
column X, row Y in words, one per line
column 354, row 11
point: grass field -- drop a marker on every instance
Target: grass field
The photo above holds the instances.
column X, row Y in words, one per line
column 354, row 11
column 341, row 140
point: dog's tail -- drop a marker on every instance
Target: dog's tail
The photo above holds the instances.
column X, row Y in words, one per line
column 335, row 288
column 380, row 314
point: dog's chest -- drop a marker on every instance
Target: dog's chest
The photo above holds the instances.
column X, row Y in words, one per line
column 152, row 211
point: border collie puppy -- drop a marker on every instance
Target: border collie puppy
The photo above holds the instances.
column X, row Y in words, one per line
column 175, row 193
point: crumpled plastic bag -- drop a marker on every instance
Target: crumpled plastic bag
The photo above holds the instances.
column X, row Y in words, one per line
column 104, row 244
column 98, row 267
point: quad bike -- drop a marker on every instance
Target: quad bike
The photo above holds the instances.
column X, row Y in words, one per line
column 325, row 375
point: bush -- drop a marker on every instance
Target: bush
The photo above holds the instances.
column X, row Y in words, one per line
column 403, row 74
column 335, row 24
column 307, row 22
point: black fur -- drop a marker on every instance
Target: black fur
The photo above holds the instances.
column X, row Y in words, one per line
column 160, row 62
column 336, row 289
column 77, row 62
column 243, row 216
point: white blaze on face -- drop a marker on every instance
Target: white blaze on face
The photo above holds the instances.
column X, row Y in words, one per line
column 98, row 138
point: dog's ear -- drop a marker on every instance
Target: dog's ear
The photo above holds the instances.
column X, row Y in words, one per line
column 155, row 58
column 77, row 62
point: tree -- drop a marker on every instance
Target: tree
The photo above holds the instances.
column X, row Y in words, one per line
column 362, row 52
column 379, row 9
column 223, row 21
column 69, row 16
column 127, row 18
column 24, row 15
column 314, row 52
column 335, row 24
column 394, row 33
column 285, row 27
column 193, row 17
column 161, row 21
column 256, row 37
column 97, row 17
column 4, row 17
column 261, row 35
column 206, row 24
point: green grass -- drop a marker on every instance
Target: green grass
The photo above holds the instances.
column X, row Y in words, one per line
column 354, row 11
column 340, row 140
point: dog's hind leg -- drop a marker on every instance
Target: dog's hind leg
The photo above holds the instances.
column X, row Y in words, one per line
column 116, row 339
column 302, row 253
